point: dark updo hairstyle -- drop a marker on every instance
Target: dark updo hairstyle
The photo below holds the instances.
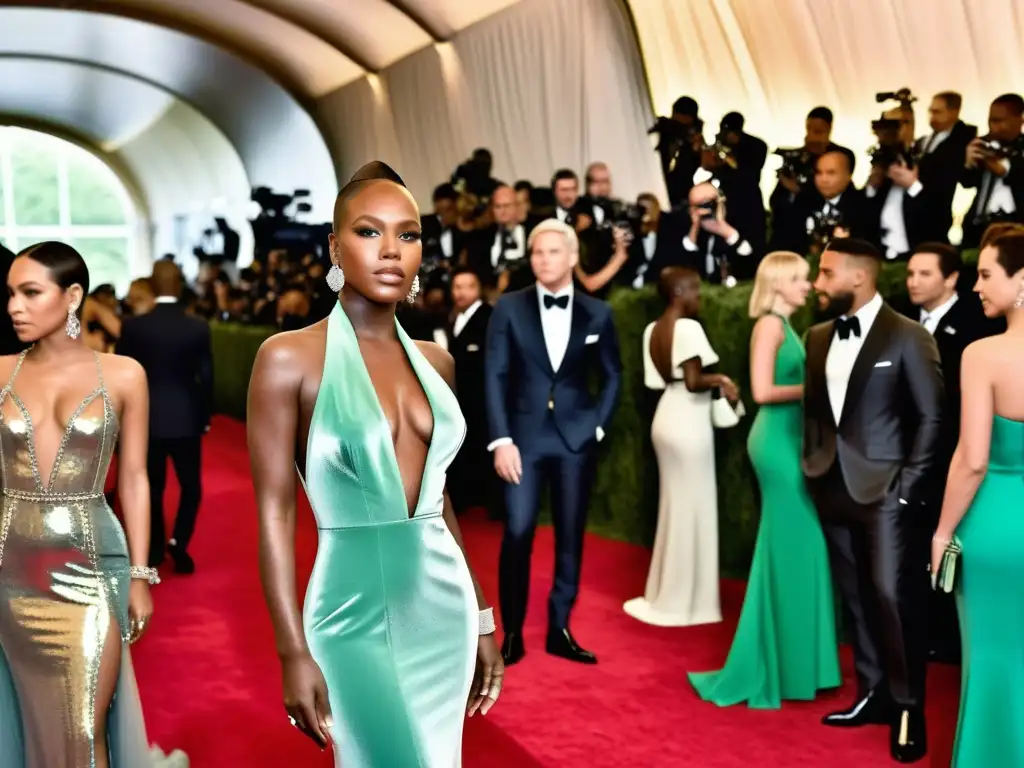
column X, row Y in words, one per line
column 65, row 265
column 1010, row 251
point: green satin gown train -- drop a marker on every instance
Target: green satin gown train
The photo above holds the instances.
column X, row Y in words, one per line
column 990, row 595
column 390, row 613
column 785, row 644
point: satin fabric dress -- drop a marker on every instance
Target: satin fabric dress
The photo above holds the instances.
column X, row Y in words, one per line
column 390, row 614
column 785, row 645
column 64, row 576
column 990, row 596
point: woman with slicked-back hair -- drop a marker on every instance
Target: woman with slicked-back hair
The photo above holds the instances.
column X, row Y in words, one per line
column 74, row 590
column 395, row 642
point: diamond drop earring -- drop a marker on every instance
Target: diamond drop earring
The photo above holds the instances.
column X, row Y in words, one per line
column 1019, row 303
column 335, row 278
column 413, row 290
column 72, row 327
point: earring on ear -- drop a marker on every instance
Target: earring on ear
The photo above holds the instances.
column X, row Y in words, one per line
column 72, row 327
column 335, row 277
column 1019, row 303
column 415, row 289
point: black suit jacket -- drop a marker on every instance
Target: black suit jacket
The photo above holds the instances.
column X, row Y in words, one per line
column 469, row 351
column 887, row 437
column 790, row 217
column 939, row 172
column 962, row 325
column 918, row 216
column 174, row 350
column 522, row 387
column 976, row 219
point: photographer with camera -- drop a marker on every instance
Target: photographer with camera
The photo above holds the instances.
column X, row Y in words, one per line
column 657, row 243
column 735, row 161
column 897, row 201
column 713, row 247
column 680, row 142
column 807, row 221
column 994, row 165
column 497, row 252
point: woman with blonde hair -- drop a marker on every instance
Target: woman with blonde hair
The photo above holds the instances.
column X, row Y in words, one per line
column 785, row 644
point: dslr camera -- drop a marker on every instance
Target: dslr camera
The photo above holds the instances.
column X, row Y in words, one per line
column 903, row 96
column 797, row 163
column 890, row 149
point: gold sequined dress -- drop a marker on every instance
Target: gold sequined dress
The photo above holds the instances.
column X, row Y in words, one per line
column 64, row 576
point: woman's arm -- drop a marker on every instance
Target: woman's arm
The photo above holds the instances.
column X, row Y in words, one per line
column 272, row 424
column 132, row 476
column 769, row 333
column 970, row 461
column 102, row 314
column 603, row 276
column 697, row 380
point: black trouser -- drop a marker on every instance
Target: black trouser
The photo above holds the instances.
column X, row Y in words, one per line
column 546, row 459
column 879, row 562
column 186, row 455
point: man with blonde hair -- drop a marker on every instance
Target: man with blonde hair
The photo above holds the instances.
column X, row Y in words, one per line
column 544, row 425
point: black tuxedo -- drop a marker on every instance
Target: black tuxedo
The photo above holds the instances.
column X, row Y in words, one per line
column 917, row 210
column 741, row 187
column 488, row 256
column 174, row 350
column 791, row 215
column 976, row 219
column 869, row 476
column 713, row 252
column 939, row 171
column 963, row 324
column 553, row 418
column 668, row 252
column 473, row 467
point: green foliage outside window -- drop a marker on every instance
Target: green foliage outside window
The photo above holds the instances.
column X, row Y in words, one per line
column 93, row 198
column 36, row 194
column 106, row 257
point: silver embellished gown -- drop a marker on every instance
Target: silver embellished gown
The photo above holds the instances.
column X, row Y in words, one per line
column 64, row 576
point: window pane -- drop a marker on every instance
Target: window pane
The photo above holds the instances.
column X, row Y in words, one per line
column 106, row 257
column 3, row 208
column 92, row 194
column 36, row 200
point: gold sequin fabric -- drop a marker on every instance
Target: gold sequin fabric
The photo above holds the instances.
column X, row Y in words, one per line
column 64, row 575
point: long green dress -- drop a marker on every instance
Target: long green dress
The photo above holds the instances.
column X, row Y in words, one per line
column 990, row 595
column 785, row 644
column 390, row 613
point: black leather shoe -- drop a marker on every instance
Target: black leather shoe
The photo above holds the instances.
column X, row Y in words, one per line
column 908, row 741
column 512, row 648
column 561, row 643
column 872, row 709
column 183, row 562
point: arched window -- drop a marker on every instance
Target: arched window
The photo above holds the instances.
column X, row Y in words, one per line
column 51, row 189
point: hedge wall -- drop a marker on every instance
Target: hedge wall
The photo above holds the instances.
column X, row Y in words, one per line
column 624, row 500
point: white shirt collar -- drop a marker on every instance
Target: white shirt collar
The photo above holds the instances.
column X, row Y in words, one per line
column 166, row 300
column 542, row 292
column 866, row 315
column 940, row 311
column 468, row 311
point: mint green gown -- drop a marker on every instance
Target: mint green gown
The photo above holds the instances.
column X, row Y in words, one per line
column 785, row 644
column 990, row 596
column 390, row 613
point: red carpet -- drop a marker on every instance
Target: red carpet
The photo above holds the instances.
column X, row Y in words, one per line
column 210, row 682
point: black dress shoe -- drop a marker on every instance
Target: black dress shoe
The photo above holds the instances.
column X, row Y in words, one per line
column 908, row 741
column 512, row 648
column 872, row 709
column 183, row 562
column 561, row 643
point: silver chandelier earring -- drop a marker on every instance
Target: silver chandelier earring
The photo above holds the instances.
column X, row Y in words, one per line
column 335, row 278
column 72, row 327
column 1019, row 303
column 413, row 290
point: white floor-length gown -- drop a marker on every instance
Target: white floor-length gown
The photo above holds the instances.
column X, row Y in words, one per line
column 682, row 584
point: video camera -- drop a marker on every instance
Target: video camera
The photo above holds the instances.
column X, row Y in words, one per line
column 995, row 147
column 891, row 148
column 903, row 96
column 273, row 228
column 797, row 163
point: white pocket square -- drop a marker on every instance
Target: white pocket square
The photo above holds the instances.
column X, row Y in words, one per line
column 883, row 364
column 472, row 348
column 592, row 338
column 950, row 330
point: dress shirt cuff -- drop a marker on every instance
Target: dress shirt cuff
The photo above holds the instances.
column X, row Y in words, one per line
column 870, row 192
column 688, row 244
column 600, row 434
column 498, row 443
column 915, row 189
column 732, row 239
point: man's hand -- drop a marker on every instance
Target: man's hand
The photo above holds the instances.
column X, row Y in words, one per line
column 508, row 463
column 902, row 176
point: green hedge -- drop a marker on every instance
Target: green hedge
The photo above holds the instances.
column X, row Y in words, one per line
column 624, row 500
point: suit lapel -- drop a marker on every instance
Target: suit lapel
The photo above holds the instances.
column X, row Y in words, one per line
column 536, row 344
column 818, row 354
column 874, row 345
column 577, row 333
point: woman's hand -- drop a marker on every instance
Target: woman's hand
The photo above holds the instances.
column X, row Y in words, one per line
column 490, row 674
column 729, row 389
column 140, row 609
column 939, row 543
column 305, row 698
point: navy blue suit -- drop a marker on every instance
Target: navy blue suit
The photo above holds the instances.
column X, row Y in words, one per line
column 553, row 419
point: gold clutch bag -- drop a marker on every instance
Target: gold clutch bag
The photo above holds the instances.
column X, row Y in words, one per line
column 945, row 577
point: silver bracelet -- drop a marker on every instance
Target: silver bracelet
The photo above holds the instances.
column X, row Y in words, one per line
column 486, row 617
column 144, row 574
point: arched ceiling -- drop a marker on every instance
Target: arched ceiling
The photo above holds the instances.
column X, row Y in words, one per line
column 313, row 47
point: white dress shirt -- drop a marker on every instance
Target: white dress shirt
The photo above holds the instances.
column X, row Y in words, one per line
column 843, row 354
column 463, row 317
column 931, row 320
column 650, row 244
column 1000, row 196
column 518, row 236
column 933, row 141
column 894, row 228
column 829, row 206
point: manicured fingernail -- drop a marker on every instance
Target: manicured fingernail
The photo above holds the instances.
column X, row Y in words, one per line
column 328, row 721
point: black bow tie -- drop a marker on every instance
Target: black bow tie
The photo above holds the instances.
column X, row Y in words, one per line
column 844, row 327
column 562, row 302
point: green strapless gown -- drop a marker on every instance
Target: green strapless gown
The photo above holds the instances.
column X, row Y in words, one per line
column 990, row 596
column 785, row 644
column 390, row 612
